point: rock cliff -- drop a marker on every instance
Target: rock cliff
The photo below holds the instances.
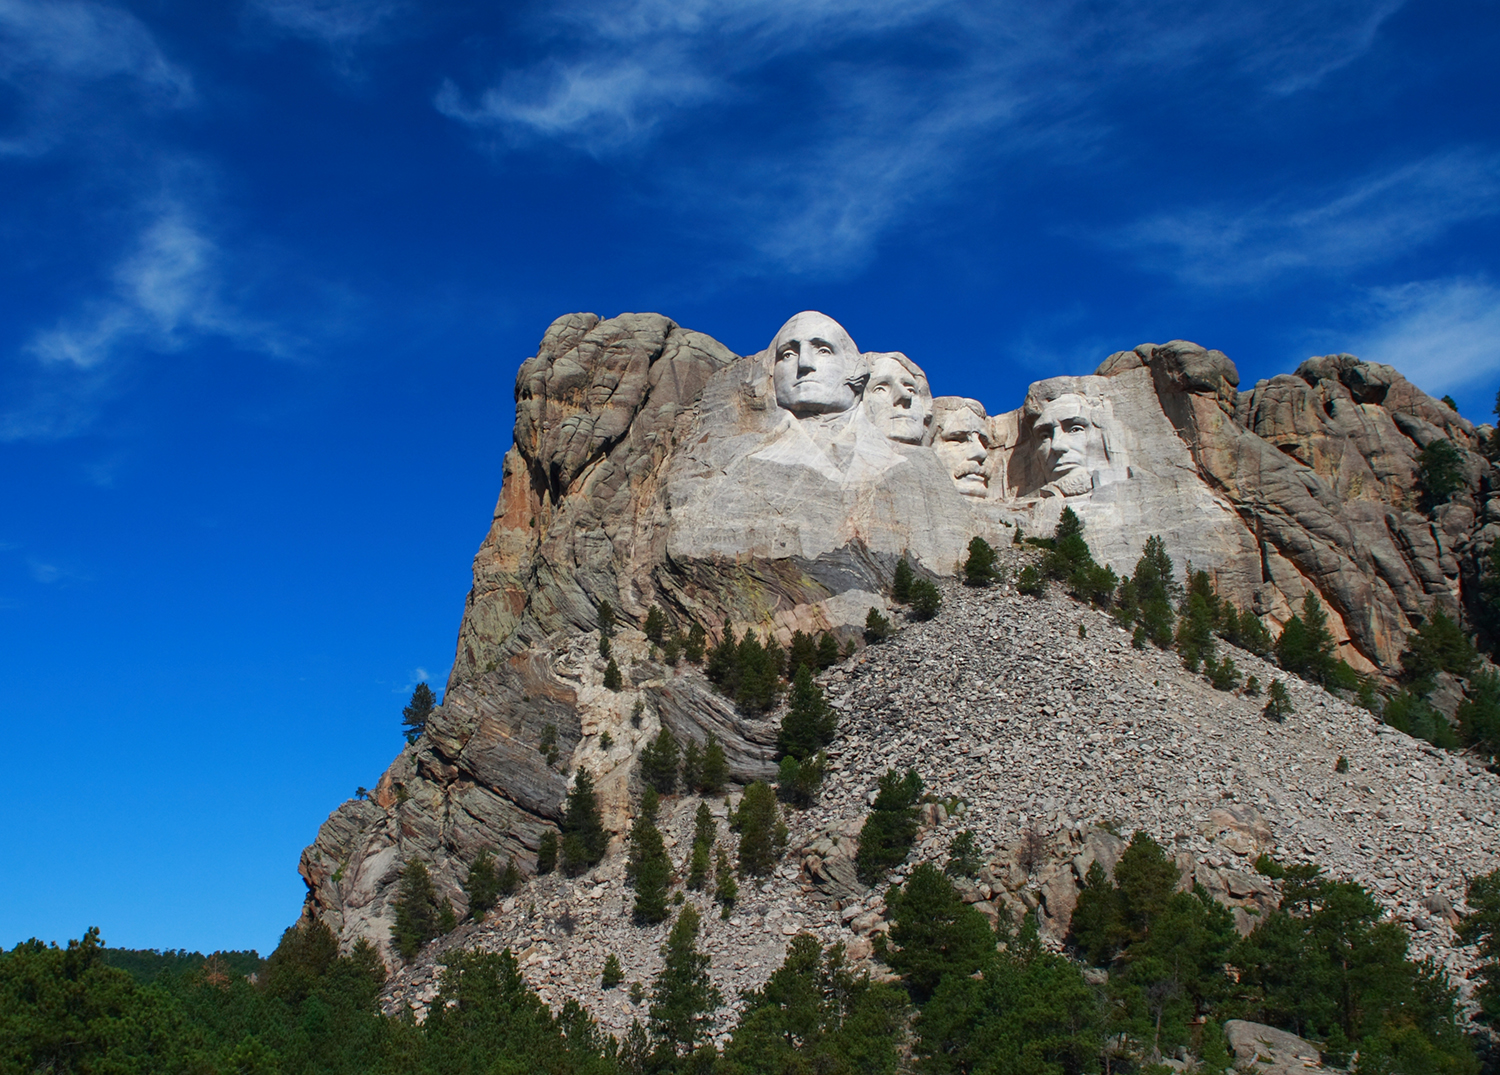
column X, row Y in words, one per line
column 777, row 491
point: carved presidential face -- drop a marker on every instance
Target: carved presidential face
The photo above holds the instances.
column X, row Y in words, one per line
column 962, row 443
column 897, row 399
column 816, row 367
column 1069, row 443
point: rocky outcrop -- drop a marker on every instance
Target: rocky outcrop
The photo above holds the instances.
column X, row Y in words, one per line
column 1268, row 1051
column 650, row 466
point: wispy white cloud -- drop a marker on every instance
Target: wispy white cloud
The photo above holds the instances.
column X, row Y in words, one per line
column 1378, row 217
column 57, row 53
column 165, row 294
column 1442, row 334
column 343, row 27
column 49, row 574
column 871, row 141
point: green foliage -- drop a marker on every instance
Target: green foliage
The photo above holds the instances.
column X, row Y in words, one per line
column 1278, row 702
column 613, row 974
column 655, row 627
column 715, row 767
column 659, row 762
column 697, row 642
column 828, row 650
column 1479, row 714
column 416, row 910
column 746, row 671
column 606, row 619
column 482, row 886
column 755, row 819
column 1342, row 765
column 1481, row 927
column 901, row 582
column 925, row 600
column 810, row 722
column 963, row 856
column 605, row 649
column 726, row 888
column 1439, row 645
column 798, row 782
column 1440, row 473
column 547, row 744
column 1069, row 561
column 692, row 766
column 648, row 868
column 802, row 652
column 813, row 1015
column 415, row 713
column 1198, row 616
column 1031, row 582
column 1325, row 967
column 1225, row 675
column 1410, row 712
column 935, row 933
column 979, row 565
column 1305, row 647
column 671, row 649
column 888, row 833
column 583, row 837
column 613, row 681
column 705, row 832
column 683, row 997
column 877, row 627
column 1252, row 687
column 546, row 854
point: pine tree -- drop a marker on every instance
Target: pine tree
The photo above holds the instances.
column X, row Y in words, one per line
column 613, row 973
column 583, row 837
column 1278, row 702
column 415, row 713
column 798, row 782
column 683, row 997
column 979, row 567
column 936, row 934
column 697, row 640
column 1305, row 647
column 888, row 832
column 925, row 599
column 755, row 819
column 877, row 627
column 726, row 888
column 692, row 766
column 510, row 877
column 715, row 767
column 723, row 667
column 1440, row 473
column 606, row 618
column 416, row 910
column 649, row 869
column 803, row 650
column 546, row 853
column 810, row 722
column 759, row 672
column 901, row 582
column 659, row 762
column 655, row 626
column 828, row 651
column 613, row 681
column 482, row 885
column 698, row 863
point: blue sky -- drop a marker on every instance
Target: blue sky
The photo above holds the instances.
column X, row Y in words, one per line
column 270, row 267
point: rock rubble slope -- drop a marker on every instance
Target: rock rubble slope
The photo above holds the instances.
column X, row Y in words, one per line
column 1027, row 733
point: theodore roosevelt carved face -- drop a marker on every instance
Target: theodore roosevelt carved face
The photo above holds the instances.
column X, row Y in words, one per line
column 816, row 367
column 962, row 442
column 897, row 398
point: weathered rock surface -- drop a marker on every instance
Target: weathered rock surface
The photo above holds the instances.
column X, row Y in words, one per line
column 1265, row 1049
column 651, row 466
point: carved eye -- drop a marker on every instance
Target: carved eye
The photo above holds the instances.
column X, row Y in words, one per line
column 879, row 388
column 825, row 350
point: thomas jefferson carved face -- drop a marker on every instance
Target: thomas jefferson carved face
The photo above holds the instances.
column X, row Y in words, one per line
column 816, row 367
column 1070, row 444
column 897, row 398
column 962, row 443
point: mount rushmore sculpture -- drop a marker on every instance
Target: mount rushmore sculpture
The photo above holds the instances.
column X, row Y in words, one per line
column 652, row 466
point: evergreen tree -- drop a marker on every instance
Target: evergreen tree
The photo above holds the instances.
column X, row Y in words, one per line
column 659, row 762
column 936, row 934
column 1479, row 714
column 606, row 619
column 1440, row 473
column 801, row 652
column 697, row 641
column 655, row 627
column 705, row 832
column 1440, row 645
column 482, row 885
column 877, row 628
column 1305, row 647
column 546, row 854
column 759, row 672
column 810, row 722
column 583, row 837
column 798, row 782
column 510, row 877
column 755, row 819
column 415, row 713
column 1199, row 614
column 613, row 681
column 901, row 582
column 979, row 566
column 1031, row 582
column 1481, row 927
column 692, row 766
column 613, row 974
column 1278, row 702
column 828, row 651
column 963, row 856
column 925, row 600
column 683, row 997
column 726, row 888
column 416, row 910
column 648, row 868
column 888, row 833
column 715, row 767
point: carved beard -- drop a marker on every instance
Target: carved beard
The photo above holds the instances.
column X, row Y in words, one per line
column 1074, row 482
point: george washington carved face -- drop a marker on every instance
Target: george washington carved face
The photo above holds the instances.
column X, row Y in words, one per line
column 897, row 398
column 815, row 366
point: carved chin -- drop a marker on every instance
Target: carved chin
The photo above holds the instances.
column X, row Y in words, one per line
column 1074, row 482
